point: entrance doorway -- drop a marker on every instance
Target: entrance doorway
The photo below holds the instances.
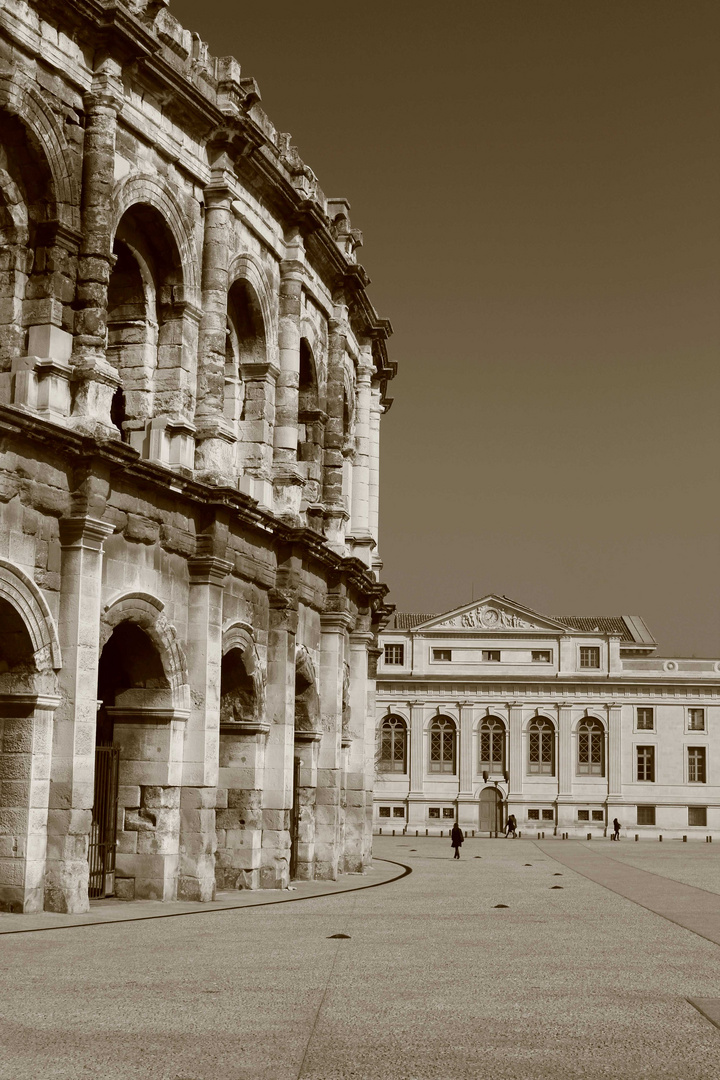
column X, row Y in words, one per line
column 103, row 831
column 491, row 810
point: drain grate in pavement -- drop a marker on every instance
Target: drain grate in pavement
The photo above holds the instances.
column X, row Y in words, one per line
column 707, row 1007
column 501, row 905
column 557, row 875
column 556, row 886
column 331, row 936
column 528, row 864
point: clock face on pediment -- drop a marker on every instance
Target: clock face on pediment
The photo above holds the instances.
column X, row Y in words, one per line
column 491, row 614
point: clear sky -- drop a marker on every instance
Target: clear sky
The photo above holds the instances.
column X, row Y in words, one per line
column 538, row 183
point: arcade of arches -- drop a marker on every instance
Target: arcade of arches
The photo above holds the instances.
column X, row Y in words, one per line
column 192, row 379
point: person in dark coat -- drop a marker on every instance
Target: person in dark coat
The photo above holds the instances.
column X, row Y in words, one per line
column 616, row 830
column 511, row 829
column 456, row 839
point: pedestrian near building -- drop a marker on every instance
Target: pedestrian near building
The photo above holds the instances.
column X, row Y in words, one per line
column 616, row 830
column 511, row 829
column 456, row 839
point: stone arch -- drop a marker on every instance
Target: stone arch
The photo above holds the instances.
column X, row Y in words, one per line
column 240, row 695
column 147, row 612
column 442, row 714
column 247, row 268
column 20, row 97
column 589, row 717
column 21, row 592
column 150, row 191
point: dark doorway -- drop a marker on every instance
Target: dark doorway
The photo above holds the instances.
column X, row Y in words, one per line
column 103, row 830
column 491, row 811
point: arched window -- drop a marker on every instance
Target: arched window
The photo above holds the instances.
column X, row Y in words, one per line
column 393, row 745
column 492, row 745
column 591, row 748
column 442, row 745
column 541, row 749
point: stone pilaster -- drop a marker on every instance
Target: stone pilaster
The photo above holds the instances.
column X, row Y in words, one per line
column 416, row 796
column 215, row 437
column 374, row 485
column 360, row 754
column 96, row 379
column 335, row 625
column 614, row 753
column 467, row 807
column 73, row 756
column 196, row 880
column 278, row 788
column 336, row 509
column 287, row 479
column 361, row 538
column 566, row 767
column 516, row 761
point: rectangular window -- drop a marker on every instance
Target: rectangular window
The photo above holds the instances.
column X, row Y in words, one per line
column 384, row 811
column 533, row 815
column 598, row 815
column 492, row 654
column 583, row 815
column 399, row 811
column 696, row 719
column 589, row 656
column 646, row 719
column 541, row 656
column 448, row 812
column 696, row 764
column 434, row 812
column 646, row 815
column 646, row 763
column 394, row 654
column 548, row 815
column 442, row 654
column 697, row 815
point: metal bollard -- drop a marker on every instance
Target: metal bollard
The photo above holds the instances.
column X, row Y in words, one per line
column 379, row 832
column 426, row 833
column 660, row 838
column 589, row 836
column 473, row 832
column 684, row 839
column 636, row 836
column 543, row 836
column 393, row 832
column 442, row 833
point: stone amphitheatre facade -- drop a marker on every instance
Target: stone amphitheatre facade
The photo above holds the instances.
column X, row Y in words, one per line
column 191, row 384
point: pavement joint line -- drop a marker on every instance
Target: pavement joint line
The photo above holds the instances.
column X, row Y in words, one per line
column 607, row 855
column 639, row 903
column 201, row 910
column 706, row 1007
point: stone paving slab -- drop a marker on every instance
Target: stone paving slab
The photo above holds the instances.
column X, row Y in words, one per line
column 695, row 909
column 117, row 911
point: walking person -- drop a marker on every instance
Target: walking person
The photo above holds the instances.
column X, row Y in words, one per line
column 616, row 830
column 456, row 839
column 511, row 829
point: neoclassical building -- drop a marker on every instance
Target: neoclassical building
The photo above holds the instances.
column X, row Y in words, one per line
column 565, row 722
column 191, row 383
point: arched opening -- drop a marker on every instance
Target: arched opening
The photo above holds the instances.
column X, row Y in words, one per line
column 442, row 745
column 238, row 700
column 591, row 748
column 541, row 747
column 144, row 317
column 311, row 419
column 136, row 746
column 245, row 344
column 393, row 745
column 492, row 745
column 16, row 649
column 491, row 811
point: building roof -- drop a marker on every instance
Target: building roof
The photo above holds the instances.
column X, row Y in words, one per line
column 631, row 628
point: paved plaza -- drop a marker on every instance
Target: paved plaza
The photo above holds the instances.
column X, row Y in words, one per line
column 578, row 975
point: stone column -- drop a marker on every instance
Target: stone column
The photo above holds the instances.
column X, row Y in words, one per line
column 374, row 486
column 278, row 788
column 288, row 481
column 335, row 625
column 196, row 878
column 361, row 730
column 96, row 379
column 467, row 815
column 73, row 756
column 362, row 541
column 215, row 436
column 516, row 762
column 566, row 768
column 614, row 754
column 336, row 510
column 416, row 796
column 255, row 449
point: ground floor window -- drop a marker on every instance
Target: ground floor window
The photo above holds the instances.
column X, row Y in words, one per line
column 696, row 764
column 391, row 811
column 541, row 814
column 646, row 815
column 447, row 812
column 591, row 815
column 697, row 815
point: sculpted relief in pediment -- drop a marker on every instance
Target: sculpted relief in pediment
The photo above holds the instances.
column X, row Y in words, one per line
column 486, row 617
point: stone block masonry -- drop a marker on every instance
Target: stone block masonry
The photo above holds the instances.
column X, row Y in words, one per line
column 192, row 378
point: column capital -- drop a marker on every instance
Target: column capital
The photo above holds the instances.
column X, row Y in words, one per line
column 208, row 570
column 335, row 622
column 84, row 532
column 361, row 638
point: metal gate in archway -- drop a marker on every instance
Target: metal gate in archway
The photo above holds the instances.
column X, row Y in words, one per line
column 103, row 830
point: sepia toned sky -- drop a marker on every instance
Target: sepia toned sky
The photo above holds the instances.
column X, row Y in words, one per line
column 539, row 187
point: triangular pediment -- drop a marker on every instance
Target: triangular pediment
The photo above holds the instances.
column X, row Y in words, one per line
column 492, row 614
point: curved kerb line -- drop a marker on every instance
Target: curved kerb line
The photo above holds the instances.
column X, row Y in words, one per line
column 227, row 907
